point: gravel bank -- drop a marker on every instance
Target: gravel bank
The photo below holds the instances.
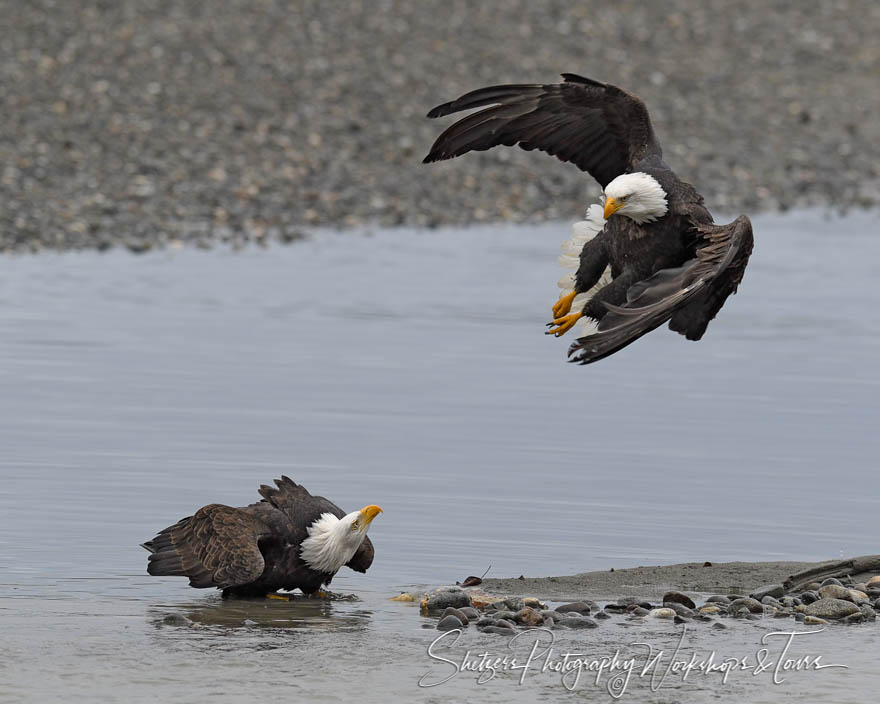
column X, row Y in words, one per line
column 143, row 123
column 652, row 582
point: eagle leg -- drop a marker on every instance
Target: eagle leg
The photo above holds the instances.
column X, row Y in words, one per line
column 563, row 305
column 563, row 324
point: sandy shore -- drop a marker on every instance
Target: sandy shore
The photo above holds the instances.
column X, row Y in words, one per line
column 652, row 582
column 140, row 124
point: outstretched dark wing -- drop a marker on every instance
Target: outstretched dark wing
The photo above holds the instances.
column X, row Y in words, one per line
column 688, row 296
column 215, row 547
column 600, row 128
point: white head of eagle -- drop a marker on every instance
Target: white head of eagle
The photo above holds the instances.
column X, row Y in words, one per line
column 333, row 541
column 638, row 196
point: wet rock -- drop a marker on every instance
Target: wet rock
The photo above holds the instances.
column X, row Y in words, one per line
column 753, row 605
column 533, row 603
column 868, row 612
column 784, row 613
column 813, row 587
column 664, row 612
column 717, row 599
column 719, row 626
column 790, row 601
column 877, row 603
column 702, row 617
column 444, row 597
column 857, row 596
column 815, row 620
column 770, row 601
column 681, row 619
column 809, row 597
column 710, row 609
column 834, row 591
column 874, row 580
column 497, row 630
column 527, row 616
column 773, row 590
column 504, row 623
column 602, row 615
column 678, row 598
column 176, row 620
column 404, row 596
column 640, row 611
column 470, row 612
column 514, row 603
column 578, row 607
column 857, row 617
column 628, row 600
column 486, row 621
column 831, row 608
column 752, row 617
column 447, row 623
column 832, row 580
column 579, row 622
column 614, row 608
column 799, row 616
column 452, row 611
column 549, row 622
column 679, row 609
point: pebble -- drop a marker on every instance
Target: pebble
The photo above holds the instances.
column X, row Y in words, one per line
column 719, row 626
column 717, row 599
column 580, row 622
column 834, row 591
column 710, row 609
column 452, row 611
column 602, row 615
column 578, row 607
column 831, row 608
column 640, row 611
column 470, row 612
column 498, row 630
column 753, row 605
column 874, row 580
column 815, row 620
column 662, row 613
column 832, row 580
column 504, row 623
column 443, row 597
column 679, row 609
column 678, row 598
column 527, row 616
column 809, row 597
column 447, row 623
column 772, row 590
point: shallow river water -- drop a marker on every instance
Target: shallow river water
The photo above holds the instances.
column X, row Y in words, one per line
column 409, row 369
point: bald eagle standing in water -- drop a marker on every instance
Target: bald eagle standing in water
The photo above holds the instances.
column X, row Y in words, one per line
column 661, row 256
column 289, row 540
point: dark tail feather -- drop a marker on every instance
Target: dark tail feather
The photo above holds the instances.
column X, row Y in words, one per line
column 148, row 546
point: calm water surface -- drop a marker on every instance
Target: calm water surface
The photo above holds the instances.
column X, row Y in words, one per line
column 409, row 369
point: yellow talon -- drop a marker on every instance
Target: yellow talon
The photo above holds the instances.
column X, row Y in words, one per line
column 563, row 305
column 564, row 324
column 321, row 594
column 280, row 597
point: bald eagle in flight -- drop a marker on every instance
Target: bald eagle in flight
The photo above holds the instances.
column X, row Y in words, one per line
column 652, row 253
column 288, row 540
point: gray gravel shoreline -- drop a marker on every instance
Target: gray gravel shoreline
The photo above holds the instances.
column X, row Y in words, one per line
column 147, row 123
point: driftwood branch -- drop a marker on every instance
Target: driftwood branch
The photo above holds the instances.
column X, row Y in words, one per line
column 841, row 568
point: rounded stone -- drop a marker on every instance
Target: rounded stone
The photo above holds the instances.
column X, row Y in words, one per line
column 773, row 590
column 678, row 598
column 602, row 615
column 710, row 609
column 815, row 620
column 498, row 630
column 831, row 608
column 753, row 605
column 578, row 607
column 580, row 622
column 874, row 580
column 447, row 623
column 719, row 626
column 717, row 599
column 470, row 612
column 662, row 613
column 834, row 591
column 832, row 580
column 809, row 597
column 527, row 616
column 452, row 611
column 504, row 623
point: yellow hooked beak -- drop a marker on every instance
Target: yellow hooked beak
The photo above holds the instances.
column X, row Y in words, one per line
column 611, row 207
column 368, row 513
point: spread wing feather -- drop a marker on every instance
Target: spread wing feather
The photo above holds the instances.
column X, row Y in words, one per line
column 688, row 296
column 215, row 547
column 598, row 127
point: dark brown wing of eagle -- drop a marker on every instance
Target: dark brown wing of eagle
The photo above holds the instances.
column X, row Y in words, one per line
column 600, row 128
column 688, row 296
column 218, row 546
